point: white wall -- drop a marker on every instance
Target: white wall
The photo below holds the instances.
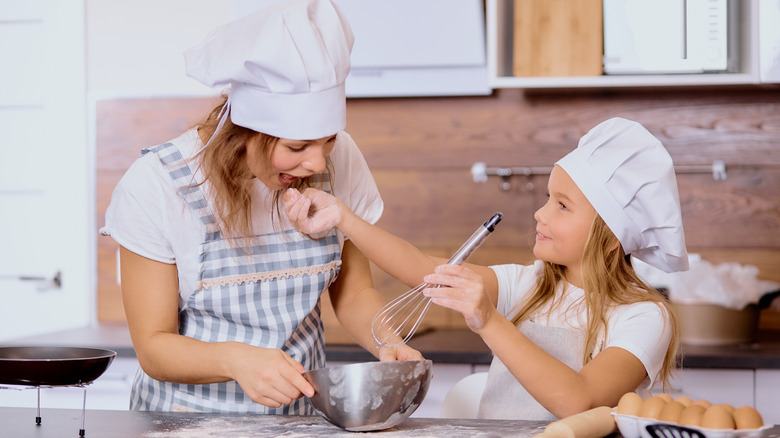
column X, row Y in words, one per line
column 134, row 48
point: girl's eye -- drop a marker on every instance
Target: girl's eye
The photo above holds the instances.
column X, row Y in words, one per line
column 563, row 206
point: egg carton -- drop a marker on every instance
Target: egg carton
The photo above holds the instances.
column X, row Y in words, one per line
column 631, row 426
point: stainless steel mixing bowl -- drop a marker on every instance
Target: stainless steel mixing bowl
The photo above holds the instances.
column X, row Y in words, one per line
column 370, row 395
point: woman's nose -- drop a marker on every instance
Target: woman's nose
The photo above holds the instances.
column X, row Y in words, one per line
column 315, row 160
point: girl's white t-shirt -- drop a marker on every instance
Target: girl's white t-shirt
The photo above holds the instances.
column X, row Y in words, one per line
column 148, row 217
column 642, row 328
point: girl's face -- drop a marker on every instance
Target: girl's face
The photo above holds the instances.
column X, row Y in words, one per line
column 563, row 225
column 290, row 160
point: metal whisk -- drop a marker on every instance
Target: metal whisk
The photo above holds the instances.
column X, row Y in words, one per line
column 409, row 308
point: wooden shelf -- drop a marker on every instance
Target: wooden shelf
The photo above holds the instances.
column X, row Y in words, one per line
column 499, row 27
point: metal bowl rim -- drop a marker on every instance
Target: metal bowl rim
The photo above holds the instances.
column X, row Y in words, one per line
column 428, row 364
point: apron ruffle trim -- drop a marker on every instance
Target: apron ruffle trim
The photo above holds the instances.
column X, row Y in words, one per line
column 270, row 275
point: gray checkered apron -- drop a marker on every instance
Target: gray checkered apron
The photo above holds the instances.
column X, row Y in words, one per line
column 268, row 296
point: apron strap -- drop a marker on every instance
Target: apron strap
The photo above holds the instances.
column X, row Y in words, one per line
column 187, row 186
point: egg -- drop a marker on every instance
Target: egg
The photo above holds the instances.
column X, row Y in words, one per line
column 651, row 408
column 747, row 417
column 691, row 416
column 717, row 417
column 671, row 412
column 630, row 404
column 702, row 402
column 727, row 407
column 665, row 396
column 685, row 400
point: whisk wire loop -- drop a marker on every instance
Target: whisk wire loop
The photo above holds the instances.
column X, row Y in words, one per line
column 389, row 325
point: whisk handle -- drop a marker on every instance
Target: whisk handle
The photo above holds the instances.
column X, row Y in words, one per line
column 475, row 240
column 493, row 221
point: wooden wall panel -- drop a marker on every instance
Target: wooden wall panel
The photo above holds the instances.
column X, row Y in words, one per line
column 421, row 151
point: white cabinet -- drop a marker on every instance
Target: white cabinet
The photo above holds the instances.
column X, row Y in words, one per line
column 752, row 69
column 768, row 395
column 758, row 388
column 734, row 387
column 445, row 376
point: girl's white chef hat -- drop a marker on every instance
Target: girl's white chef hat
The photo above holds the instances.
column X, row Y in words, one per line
column 628, row 177
column 286, row 65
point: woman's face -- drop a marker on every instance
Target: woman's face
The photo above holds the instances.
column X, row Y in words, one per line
column 563, row 224
column 290, row 160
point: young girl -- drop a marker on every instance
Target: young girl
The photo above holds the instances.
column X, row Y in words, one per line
column 578, row 328
column 222, row 295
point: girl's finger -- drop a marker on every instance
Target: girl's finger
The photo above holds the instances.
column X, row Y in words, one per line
column 299, row 211
column 449, row 280
column 444, row 292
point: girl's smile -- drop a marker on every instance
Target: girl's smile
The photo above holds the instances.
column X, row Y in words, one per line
column 540, row 236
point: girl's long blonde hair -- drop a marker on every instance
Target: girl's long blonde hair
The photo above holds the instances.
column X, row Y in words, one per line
column 224, row 165
column 609, row 281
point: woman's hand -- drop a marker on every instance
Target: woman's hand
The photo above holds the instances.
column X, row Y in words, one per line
column 464, row 292
column 269, row 376
column 401, row 352
column 313, row 211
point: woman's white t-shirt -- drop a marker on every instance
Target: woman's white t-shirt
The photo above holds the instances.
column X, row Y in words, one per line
column 642, row 328
column 148, row 217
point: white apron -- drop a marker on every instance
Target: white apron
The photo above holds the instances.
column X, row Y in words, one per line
column 506, row 398
column 267, row 297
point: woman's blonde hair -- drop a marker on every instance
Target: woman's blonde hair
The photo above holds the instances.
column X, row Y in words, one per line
column 223, row 164
column 609, row 281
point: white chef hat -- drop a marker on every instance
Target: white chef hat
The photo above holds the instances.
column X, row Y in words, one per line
column 286, row 65
column 628, row 177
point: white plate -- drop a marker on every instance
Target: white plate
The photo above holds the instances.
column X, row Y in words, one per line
column 634, row 427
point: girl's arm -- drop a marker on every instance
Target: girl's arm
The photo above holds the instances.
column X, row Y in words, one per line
column 560, row 389
column 150, row 295
column 556, row 386
column 315, row 211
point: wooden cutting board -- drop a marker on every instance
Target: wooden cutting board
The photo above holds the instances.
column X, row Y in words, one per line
column 558, row 38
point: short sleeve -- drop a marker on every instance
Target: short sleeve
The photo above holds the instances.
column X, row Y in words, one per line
column 353, row 182
column 514, row 283
column 137, row 212
column 642, row 329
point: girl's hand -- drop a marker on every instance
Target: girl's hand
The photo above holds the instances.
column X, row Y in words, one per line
column 269, row 376
column 401, row 352
column 464, row 292
column 313, row 211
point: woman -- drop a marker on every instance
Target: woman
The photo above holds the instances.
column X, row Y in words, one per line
column 222, row 295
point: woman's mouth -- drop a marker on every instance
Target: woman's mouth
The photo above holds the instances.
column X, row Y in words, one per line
column 286, row 179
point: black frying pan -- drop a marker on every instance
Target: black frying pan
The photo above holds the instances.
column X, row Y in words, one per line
column 52, row 366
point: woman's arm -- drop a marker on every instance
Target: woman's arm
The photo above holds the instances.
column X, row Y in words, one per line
column 150, row 295
column 355, row 302
column 560, row 389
